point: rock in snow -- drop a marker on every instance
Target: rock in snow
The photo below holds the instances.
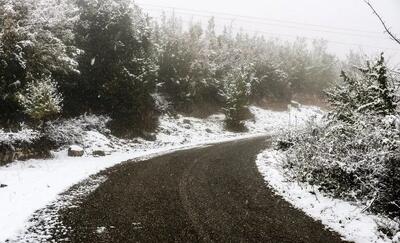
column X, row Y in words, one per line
column 149, row 136
column 187, row 121
column 99, row 153
column 75, row 151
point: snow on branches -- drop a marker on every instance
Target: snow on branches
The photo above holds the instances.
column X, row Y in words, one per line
column 355, row 153
column 41, row 99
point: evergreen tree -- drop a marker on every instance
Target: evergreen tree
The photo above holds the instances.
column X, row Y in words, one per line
column 381, row 89
column 189, row 64
column 367, row 91
column 182, row 70
column 236, row 91
column 41, row 99
column 117, row 67
column 272, row 83
column 33, row 43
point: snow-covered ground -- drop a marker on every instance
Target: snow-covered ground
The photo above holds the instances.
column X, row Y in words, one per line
column 33, row 184
column 344, row 217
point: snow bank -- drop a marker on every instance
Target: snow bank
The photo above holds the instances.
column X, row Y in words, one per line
column 183, row 129
column 295, row 118
column 33, row 184
column 343, row 217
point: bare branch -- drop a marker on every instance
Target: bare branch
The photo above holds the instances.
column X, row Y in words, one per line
column 395, row 38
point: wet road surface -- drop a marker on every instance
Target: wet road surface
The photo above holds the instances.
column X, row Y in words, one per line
column 212, row 194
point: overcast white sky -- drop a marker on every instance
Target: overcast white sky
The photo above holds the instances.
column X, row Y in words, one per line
column 347, row 24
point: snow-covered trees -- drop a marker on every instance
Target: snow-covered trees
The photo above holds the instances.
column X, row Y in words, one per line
column 272, row 83
column 108, row 57
column 41, row 99
column 193, row 63
column 35, row 38
column 355, row 152
column 367, row 91
column 187, row 71
column 236, row 92
column 310, row 69
column 118, row 72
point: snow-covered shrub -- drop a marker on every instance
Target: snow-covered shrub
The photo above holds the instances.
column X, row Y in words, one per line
column 236, row 92
column 25, row 134
column 23, row 144
column 41, row 99
column 355, row 161
column 355, row 152
column 73, row 131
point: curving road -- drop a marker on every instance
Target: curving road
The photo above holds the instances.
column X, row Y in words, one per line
column 212, row 194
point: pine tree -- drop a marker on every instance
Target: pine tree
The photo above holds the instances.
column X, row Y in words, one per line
column 366, row 91
column 381, row 89
column 41, row 99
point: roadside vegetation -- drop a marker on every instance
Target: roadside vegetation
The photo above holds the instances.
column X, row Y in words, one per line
column 354, row 153
column 61, row 59
column 73, row 66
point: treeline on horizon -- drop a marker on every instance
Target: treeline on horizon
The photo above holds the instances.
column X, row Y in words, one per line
column 66, row 58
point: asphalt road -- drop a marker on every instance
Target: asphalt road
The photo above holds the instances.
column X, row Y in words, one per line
column 212, row 194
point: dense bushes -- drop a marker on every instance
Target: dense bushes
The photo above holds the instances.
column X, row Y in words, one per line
column 108, row 57
column 72, row 131
column 196, row 67
column 355, row 152
column 32, row 46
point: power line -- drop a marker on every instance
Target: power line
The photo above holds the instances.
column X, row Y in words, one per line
column 258, row 18
column 329, row 41
column 279, row 25
column 307, row 38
